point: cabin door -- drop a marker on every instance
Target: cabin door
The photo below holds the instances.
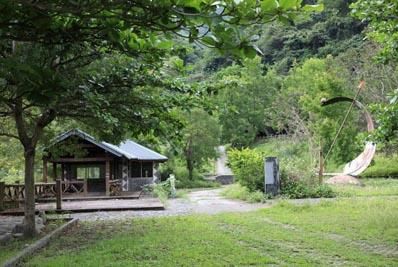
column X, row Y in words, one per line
column 95, row 176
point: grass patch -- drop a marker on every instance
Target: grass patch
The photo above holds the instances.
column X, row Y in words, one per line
column 196, row 183
column 12, row 248
column 16, row 245
column 237, row 191
column 354, row 232
column 383, row 166
column 372, row 187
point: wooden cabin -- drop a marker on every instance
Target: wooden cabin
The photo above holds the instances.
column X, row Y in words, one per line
column 91, row 167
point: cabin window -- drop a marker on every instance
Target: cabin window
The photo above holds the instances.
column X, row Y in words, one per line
column 88, row 172
column 135, row 169
column 147, row 169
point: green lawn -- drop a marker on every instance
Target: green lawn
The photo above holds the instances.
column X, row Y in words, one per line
column 349, row 232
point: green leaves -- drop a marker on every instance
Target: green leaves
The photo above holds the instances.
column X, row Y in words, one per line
column 129, row 28
column 382, row 17
column 269, row 5
column 313, row 8
column 290, row 4
column 196, row 4
column 386, row 115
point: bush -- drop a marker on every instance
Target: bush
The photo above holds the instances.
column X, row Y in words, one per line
column 237, row 191
column 292, row 187
column 248, row 168
column 161, row 190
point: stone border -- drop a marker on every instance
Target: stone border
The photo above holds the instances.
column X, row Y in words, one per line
column 40, row 243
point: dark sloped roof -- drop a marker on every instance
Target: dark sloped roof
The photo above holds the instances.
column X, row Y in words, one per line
column 133, row 150
column 128, row 149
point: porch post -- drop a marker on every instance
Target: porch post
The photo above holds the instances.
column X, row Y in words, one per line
column 58, row 186
column 85, row 187
column 45, row 171
column 55, row 171
column 2, row 195
column 62, row 172
column 107, row 176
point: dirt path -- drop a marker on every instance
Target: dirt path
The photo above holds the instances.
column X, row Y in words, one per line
column 207, row 201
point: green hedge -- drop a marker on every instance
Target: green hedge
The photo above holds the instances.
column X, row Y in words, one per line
column 247, row 166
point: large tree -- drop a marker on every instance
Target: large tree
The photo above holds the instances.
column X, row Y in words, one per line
column 200, row 138
column 382, row 17
column 56, row 60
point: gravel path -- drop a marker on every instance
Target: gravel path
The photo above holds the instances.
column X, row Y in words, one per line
column 207, row 201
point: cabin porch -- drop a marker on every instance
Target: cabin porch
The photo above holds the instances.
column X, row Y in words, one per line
column 99, row 177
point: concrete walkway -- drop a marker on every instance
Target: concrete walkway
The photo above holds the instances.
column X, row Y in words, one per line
column 207, row 201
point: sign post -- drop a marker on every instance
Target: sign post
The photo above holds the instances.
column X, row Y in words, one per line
column 271, row 172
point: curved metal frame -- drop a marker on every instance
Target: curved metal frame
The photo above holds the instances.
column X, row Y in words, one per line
column 363, row 160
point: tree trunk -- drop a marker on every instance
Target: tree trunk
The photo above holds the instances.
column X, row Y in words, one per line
column 29, row 143
column 190, row 169
column 188, row 158
column 29, row 221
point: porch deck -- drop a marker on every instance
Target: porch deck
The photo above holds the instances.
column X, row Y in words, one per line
column 92, row 196
column 94, row 205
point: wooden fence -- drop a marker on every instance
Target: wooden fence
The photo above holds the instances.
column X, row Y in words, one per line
column 16, row 192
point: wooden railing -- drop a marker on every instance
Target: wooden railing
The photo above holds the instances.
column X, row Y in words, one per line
column 74, row 187
column 16, row 192
column 45, row 190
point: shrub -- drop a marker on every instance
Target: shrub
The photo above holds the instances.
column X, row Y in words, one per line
column 248, row 168
column 292, row 187
column 323, row 190
column 161, row 190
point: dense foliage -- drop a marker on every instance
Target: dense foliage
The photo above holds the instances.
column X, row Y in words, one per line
column 383, row 22
column 244, row 101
